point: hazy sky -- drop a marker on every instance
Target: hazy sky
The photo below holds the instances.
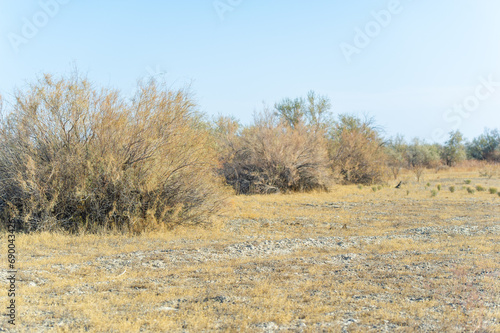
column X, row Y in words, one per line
column 421, row 67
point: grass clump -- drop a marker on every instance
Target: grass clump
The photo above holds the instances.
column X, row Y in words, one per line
column 434, row 193
column 471, row 190
column 452, row 189
column 493, row 190
column 467, row 181
column 480, row 188
column 73, row 157
column 438, row 187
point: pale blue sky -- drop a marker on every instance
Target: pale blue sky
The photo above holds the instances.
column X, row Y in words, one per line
column 416, row 66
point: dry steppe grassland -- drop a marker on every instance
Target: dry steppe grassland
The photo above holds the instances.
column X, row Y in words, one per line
column 356, row 259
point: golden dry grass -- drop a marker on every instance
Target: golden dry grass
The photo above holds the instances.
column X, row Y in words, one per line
column 405, row 261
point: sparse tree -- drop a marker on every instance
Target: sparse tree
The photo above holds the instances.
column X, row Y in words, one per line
column 317, row 110
column 396, row 151
column 454, row 149
column 291, row 111
column 313, row 111
column 421, row 156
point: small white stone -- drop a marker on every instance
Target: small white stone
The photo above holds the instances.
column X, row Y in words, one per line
column 167, row 308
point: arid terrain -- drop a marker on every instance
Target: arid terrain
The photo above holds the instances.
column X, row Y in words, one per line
column 355, row 259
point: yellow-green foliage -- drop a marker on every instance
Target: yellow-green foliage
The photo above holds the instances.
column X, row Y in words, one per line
column 356, row 151
column 73, row 156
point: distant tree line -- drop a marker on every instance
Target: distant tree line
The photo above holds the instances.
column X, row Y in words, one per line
column 299, row 145
column 75, row 157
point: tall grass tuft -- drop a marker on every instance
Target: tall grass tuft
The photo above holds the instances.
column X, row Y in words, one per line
column 480, row 188
column 74, row 157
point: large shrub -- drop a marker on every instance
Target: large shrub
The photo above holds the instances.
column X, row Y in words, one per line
column 73, row 156
column 357, row 151
column 272, row 156
column 421, row 156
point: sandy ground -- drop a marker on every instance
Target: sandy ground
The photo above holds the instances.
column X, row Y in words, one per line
column 352, row 260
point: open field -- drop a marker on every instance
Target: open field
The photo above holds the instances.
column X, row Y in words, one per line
column 356, row 259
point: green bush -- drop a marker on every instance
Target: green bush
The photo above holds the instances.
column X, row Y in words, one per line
column 479, row 188
column 374, row 188
column 439, row 187
column 454, row 149
column 420, row 154
column 493, row 190
column 486, row 146
column 434, row 193
column 73, row 157
column 471, row 190
column 467, row 181
column 452, row 189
